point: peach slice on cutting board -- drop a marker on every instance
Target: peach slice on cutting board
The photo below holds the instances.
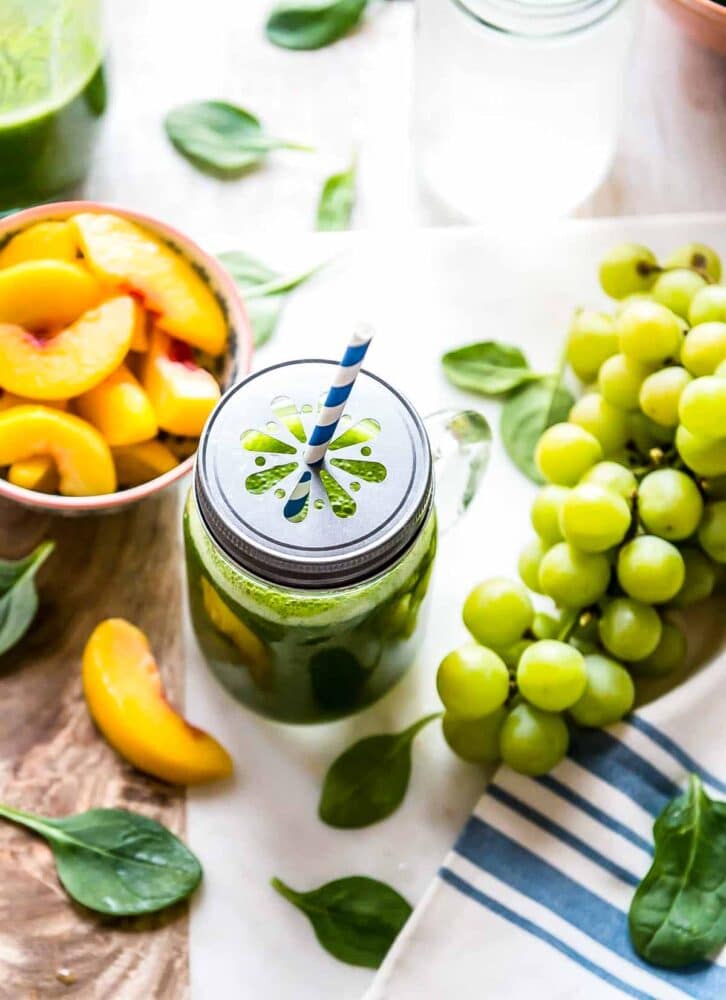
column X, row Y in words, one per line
column 53, row 240
column 119, row 408
column 182, row 394
column 81, row 456
column 46, row 294
column 124, row 255
column 71, row 361
column 125, row 697
column 138, row 463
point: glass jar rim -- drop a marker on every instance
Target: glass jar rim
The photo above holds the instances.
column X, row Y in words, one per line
column 530, row 19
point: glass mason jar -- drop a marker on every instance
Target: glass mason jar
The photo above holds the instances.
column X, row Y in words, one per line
column 310, row 616
column 52, row 94
column 517, row 102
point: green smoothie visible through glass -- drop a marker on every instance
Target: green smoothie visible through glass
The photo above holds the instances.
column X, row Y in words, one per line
column 309, row 615
column 52, row 95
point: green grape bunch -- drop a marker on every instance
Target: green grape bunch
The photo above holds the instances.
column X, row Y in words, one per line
column 630, row 524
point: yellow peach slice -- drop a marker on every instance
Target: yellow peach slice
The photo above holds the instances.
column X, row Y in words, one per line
column 43, row 241
column 82, row 457
column 140, row 337
column 71, row 361
column 39, row 474
column 119, row 408
column 45, row 294
column 125, row 697
column 9, row 399
column 182, row 394
column 124, row 254
column 138, row 463
column 255, row 654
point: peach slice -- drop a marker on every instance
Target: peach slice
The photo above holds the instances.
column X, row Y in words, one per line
column 46, row 294
column 140, row 337
column 125, row 697
column 119, row 408
column 43, row 241
column 39, row 474
column 71, row 361
column 82, row 457
column 130, row 258
column 255, row 654
column 138, row 463
column 182, row 394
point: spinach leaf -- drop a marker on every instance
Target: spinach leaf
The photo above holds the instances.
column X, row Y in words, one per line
column 526, row 415
column 114, row 861
column 337, row 200
column 369, row 780
column 18, row 596
column 356, row 919
column 221, row 138
column 489, row 368
column 263, row 290
column 309, row 25
column 678, row 913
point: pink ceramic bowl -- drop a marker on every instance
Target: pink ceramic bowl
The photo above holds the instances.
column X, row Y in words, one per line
column 702, row 20
column 237, row 361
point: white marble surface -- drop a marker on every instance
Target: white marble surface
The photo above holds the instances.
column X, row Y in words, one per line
column 423, row 292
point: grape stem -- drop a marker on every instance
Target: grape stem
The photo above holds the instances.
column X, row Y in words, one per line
column 568, row 624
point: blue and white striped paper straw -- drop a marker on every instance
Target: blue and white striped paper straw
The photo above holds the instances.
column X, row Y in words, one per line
column 298, row 498
column 337, row 396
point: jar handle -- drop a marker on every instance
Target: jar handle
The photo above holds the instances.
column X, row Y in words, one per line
column 461, row 443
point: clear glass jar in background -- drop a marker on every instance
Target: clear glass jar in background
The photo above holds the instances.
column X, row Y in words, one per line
column 52, row 95
column 517, row 104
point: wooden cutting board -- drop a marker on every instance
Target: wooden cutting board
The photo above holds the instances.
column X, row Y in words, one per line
column 54, row 761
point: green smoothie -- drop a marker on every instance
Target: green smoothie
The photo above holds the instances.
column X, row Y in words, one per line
column 305, row 655
column 52, row 95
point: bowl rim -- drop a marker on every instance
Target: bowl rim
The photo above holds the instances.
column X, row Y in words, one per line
column 713, row 11
column 237, row 318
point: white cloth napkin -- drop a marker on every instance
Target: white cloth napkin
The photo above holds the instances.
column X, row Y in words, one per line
column 532, row 901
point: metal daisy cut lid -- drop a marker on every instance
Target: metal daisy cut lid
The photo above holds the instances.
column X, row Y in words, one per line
column 366, row 502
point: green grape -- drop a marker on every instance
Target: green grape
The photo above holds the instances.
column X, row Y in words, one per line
column 661, row 392
column 675, row 289
column 699, row 256
column 498, row 612
column 708, row 306
column 670, row 504
column 512, row 654
column 604, row 421
column 529, row 559
column 565, row 452
column 629, row 299
column 668, row 655
column 613, row 476
column 532, row 741
column 702, row 409
column 592, row 339
column 551, row 675
column 649, row 332
column 704, row 349
column 628, row 269
column 629, row 629
column 712, row 533
column 619, row 381
column 475, row 740
column 647, row 434
column 472, row 681
column 594, row 518
column 545, row 513
column 706, row 456
column 545, row 626
column 609, row 693
column 700, row 578
column 573, row 579
column 650, row 569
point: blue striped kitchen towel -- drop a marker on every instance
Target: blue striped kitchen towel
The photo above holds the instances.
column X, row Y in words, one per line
column 532, row 902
